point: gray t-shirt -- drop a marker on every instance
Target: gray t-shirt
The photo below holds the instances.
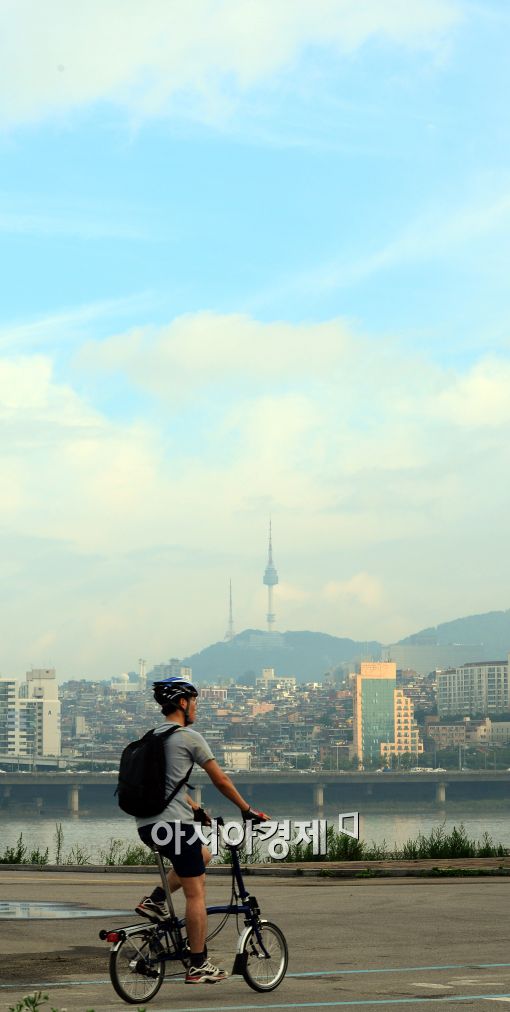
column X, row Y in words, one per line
column 182, row 748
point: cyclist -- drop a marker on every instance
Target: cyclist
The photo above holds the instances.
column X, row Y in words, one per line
column 178, row 700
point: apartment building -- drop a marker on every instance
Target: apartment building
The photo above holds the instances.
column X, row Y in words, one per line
column 8, row 695
column 30, row 715
column 468, row 732
column 478, row 688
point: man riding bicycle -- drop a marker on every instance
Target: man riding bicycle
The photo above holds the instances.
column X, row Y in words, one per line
column 178, row 700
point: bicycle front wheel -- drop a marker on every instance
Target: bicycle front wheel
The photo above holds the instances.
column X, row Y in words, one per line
column 136, row 972
column 264, row 970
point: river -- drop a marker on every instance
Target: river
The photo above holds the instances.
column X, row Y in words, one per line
column 92, row 833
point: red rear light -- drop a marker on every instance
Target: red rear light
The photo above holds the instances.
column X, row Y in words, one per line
column 112, row 936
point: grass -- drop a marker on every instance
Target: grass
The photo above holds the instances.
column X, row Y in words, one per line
column 119, row 853
column 116, row 853
column 19, row 854
column 438, row 844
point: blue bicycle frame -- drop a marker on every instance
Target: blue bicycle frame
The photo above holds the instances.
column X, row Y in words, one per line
column 171, row 929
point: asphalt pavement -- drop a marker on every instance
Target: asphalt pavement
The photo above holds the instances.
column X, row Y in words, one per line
column 380, row 943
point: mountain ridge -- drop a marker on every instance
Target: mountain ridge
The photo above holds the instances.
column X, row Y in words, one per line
column 304, row 655
column 486, row 627
column 309, row 655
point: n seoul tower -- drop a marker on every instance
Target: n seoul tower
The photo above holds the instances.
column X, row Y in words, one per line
column 270, row 580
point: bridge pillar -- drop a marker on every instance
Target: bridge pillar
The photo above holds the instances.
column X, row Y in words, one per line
column 197, row 795
column 73, row 799
column 441, row 794
column 6, row 796
column 318, row 796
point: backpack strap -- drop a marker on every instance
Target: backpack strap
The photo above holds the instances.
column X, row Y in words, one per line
column 171, row 796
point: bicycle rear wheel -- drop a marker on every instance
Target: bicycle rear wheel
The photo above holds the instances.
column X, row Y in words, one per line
column 264, row 972
column 135, row 970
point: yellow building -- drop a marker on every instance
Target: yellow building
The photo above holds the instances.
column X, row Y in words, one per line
column 407, row 737
column 383, row 717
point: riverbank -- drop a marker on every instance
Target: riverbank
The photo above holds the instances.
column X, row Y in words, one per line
column 420, row 868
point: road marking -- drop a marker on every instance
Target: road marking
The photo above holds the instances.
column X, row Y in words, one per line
column 422, row 983
column 308, row 973
column 474, row 980
column 52, row 983
column 402, row 969
column 466, row 980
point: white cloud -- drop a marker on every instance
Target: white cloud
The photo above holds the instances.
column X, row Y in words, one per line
column 27, row 391
column 479, row 398
column 362, row 588
column 291, row 593
column 192, row 349
column 78, row 477
column 173, row 55
column 382, row 472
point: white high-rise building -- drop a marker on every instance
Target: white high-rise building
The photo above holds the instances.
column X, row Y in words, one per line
column 480, row 688
column 30, row 715
column 40, row 683
column 8, row 695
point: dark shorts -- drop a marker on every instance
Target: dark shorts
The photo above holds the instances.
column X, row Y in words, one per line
column 186, row 857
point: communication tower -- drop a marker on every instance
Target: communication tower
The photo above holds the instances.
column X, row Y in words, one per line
column 142, row 677
column 229, row 635
column 270, row 580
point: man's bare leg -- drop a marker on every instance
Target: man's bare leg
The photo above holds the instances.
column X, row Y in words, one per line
column 196, row 914
column 173, row 879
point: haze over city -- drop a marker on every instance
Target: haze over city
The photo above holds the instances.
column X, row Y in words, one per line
column 260, row 271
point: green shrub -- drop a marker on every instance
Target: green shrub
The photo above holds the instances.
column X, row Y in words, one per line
column 16, row 854
column 113, row 854
column 38, row 856
column 441, row 844
column 137, row 854
column 438, row 844
column 77, row 855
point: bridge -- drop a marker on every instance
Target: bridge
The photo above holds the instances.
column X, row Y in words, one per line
column 65, row 788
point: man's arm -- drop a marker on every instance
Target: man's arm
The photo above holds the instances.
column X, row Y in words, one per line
column 225, row 785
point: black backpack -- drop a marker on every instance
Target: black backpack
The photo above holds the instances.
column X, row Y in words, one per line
column 141, row 789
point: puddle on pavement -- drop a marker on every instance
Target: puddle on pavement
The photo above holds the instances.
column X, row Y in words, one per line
column 28, row 911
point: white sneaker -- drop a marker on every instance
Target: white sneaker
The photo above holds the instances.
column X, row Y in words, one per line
column 208, row 973
column 151, row 909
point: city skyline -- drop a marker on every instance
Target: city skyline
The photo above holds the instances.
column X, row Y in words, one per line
column 256, row 271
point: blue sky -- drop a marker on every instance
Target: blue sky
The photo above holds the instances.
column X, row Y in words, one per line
column 254, row 261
